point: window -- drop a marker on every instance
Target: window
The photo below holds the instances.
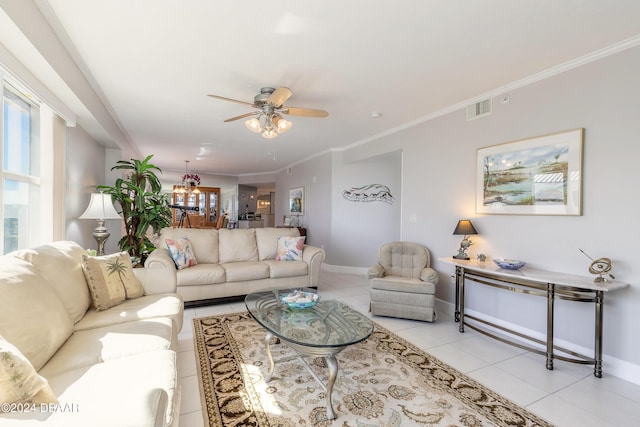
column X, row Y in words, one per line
column 20, row 199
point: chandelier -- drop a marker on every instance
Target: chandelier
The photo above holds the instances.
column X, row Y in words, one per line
column 190, row 182
column 268, row 123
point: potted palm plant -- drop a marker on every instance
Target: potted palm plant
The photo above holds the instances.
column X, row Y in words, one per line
column 142, row 204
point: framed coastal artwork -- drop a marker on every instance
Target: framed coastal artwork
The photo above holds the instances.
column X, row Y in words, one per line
column 296, row 201
column 535, row 176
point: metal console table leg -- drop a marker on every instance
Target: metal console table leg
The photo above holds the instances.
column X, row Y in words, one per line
column 550, row 298
column 461, row 303
column 458, row 280
column 597, row 370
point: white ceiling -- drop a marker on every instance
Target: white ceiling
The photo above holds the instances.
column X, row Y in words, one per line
column 154, row 61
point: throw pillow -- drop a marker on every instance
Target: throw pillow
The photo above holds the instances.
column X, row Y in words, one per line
column 290, row 248
column 19, row 381
column 181, row 252
column 111, row 280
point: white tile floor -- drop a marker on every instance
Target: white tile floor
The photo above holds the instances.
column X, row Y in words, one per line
column 568, row 396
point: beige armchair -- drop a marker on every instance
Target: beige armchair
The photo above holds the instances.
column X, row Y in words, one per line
column 402, row 283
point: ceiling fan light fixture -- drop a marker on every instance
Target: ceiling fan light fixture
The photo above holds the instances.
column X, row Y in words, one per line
column 269, row 133
column 270, row 102
column 281, row 124
column 253, row 125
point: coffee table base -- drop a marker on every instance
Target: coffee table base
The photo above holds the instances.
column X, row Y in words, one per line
column 329, row 354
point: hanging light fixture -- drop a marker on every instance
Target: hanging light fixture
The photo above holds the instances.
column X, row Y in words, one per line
column 190, row 182
column 268, row 120
column 268, row 123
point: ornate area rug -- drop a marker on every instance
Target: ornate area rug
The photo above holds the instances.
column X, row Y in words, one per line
column 383, row 381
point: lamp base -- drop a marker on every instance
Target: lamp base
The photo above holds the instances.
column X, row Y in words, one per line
column 101, row 235
column 466, row 258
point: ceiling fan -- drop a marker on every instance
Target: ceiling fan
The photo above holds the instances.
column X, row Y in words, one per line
column 268, row 119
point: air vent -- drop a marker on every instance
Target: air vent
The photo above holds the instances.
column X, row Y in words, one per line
column 479, row 109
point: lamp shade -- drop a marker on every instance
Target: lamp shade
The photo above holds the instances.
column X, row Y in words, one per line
column 464, row 228
column 100, row 207
column 253, row 125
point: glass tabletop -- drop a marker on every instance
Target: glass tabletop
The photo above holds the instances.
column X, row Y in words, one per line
column 328, row 323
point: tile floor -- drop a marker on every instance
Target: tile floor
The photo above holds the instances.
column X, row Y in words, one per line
column 568, row 396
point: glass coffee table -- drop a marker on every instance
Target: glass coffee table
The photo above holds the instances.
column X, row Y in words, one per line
column 323, row 330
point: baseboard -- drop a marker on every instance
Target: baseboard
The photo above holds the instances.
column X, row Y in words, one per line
column 219, row 300
column 344, row 269
column 611, row 365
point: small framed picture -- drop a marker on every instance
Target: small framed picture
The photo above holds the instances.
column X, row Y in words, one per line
column 286, row 221
column 296, row 201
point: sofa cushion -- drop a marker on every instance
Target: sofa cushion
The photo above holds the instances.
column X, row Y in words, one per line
column 241, row 271
column 279, row 269
column 91, row 346
column 204, row 242
column 60, row 263
column 146, row 307
column 267, row 240
column 201, row 274
column 238, row 245
column 137, row 386
column 19, row 382
column 181, row 252
column 290, row 248
column 32, row 317
column 111, row 279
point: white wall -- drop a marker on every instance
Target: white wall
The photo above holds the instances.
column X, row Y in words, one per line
column 85, row 170
column 315, row 176
column 358, row 229
column 439, row 175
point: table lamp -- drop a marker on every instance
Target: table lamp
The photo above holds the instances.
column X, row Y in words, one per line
column 464, row 228
column 100, row 208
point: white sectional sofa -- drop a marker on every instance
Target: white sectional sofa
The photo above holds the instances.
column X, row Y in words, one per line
column 108, row 368
column 235, row 262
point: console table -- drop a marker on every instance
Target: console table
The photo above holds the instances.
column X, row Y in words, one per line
column 531, row 281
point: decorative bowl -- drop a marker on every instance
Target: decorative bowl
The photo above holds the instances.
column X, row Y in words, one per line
column 300, row 299
column 510, row 264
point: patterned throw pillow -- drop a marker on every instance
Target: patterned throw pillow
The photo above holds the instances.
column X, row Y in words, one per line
column 290, row 248
column 181, row 252
column 111, row 280
column 19, row 381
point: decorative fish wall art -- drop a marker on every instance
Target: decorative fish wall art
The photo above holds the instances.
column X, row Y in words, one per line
column 369, row 193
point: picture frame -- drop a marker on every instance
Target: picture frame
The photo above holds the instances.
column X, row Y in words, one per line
column 286, row 221
column 535, row 176
column 296, row 201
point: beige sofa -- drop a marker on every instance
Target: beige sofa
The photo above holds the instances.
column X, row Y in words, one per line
column 235, row 262
column 108, row 368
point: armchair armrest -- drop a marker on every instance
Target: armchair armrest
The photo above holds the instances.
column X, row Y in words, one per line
column 375, row 271
column 429, row 275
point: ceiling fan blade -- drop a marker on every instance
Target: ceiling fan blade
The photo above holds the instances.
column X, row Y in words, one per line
column 279, row 96
column 305, row 112
column 231, row 99
column 232, row 119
